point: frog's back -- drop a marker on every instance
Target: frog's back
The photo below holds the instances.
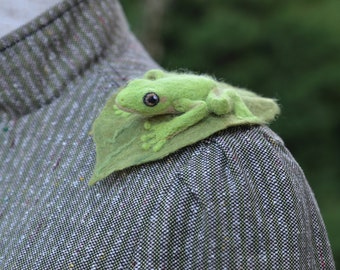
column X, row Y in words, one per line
column 188, row 86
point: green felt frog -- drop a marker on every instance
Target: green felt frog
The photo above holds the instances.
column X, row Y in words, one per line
column 188, row 97
column 169, row 111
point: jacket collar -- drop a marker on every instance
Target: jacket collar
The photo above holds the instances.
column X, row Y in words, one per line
column 38, row 60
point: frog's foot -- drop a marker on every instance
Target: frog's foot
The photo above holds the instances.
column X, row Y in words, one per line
column 119, row 112
column 242, row 112
column 155, row 138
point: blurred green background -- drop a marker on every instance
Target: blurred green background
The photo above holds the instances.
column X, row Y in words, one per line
column 288, row 49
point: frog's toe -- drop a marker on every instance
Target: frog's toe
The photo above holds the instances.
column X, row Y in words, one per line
column 146, row 146
column 147, row 137
column 147, row 125
column 158, row 145
column 152, row 141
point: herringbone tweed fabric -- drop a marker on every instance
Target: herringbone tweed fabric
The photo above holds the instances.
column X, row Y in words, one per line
column 236, row 200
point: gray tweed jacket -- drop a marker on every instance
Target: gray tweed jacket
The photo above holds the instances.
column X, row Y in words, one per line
column 236, row 200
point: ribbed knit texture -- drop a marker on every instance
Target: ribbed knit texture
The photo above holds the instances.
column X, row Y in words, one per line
column 237, row 200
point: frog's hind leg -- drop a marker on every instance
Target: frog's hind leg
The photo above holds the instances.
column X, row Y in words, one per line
column 224, row 99
column 218, row 101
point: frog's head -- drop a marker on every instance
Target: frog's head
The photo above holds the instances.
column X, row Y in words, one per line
column 144, row 96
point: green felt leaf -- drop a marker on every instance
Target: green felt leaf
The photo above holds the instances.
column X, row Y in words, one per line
column 118, row 135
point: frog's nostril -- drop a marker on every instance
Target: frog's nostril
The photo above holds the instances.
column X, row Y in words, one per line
column 120, row 99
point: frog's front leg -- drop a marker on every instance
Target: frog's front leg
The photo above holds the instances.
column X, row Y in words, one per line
column 224, row 99
column 192, row 112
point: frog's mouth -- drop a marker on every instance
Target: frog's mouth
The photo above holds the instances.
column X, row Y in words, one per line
column 125, row 109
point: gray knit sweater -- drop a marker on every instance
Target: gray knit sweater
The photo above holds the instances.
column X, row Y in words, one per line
column 236, row 200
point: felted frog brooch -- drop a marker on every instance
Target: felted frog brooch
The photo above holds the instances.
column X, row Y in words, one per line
column 190, row 98
column 162, row 112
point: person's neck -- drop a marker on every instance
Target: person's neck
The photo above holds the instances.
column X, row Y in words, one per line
column 15, row 13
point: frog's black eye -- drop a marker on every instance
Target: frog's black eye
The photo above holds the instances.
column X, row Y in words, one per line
column 151, row 99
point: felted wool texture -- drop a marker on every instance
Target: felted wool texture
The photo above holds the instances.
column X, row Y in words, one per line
column 119, row 136
column 190, row 98
column 234, row 200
